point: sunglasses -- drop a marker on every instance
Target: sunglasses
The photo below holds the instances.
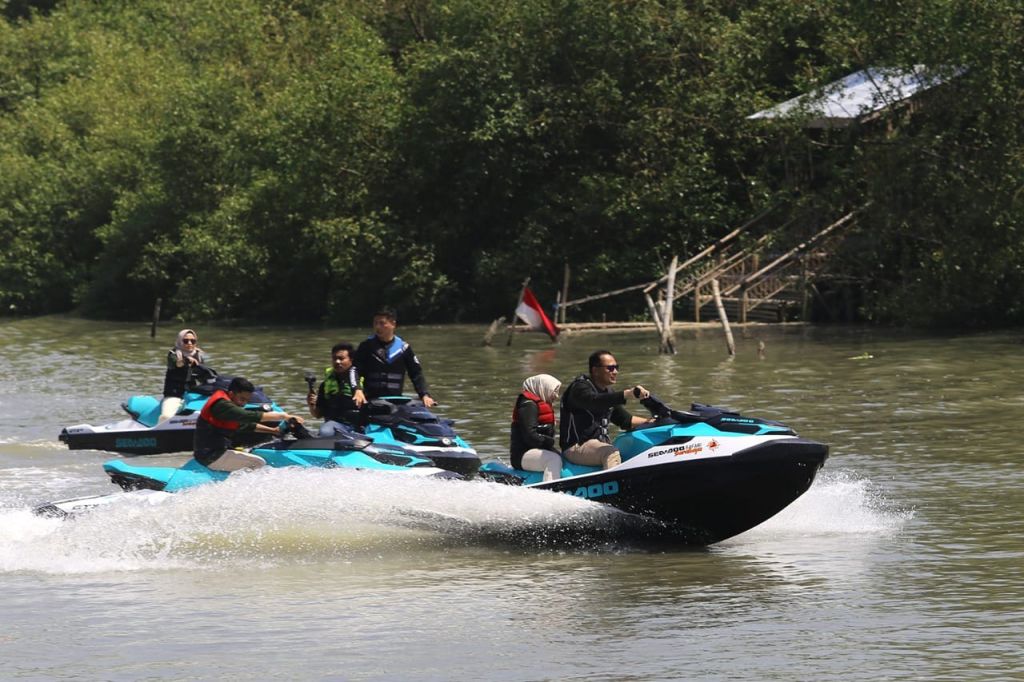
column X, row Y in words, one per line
column 611, row 368
column 188, row 340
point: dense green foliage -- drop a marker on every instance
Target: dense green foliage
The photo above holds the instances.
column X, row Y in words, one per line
column 307, row 161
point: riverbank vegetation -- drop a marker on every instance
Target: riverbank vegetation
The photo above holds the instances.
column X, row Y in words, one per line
column 304, row 161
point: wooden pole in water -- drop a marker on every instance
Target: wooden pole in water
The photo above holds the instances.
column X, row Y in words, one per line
column 565, row 293
column 668, row 343
column 653, row 309
column 512, row 322
column 492, row 330
column 723, row 317
column 156, row 318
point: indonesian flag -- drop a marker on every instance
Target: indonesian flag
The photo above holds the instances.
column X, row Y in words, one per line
column 530, row 312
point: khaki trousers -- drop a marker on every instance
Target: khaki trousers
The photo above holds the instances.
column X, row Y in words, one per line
column 233, row 460
column 594, row 453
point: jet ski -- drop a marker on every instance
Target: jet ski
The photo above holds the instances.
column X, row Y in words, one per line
column 402, row 420
column 347, row 451
column 698, row 476
column 144, row 434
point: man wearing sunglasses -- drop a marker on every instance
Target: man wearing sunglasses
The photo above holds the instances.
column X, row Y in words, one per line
column 588, row 405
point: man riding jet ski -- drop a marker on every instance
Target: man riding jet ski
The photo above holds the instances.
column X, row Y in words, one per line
column 345, row 450
column 702, row 476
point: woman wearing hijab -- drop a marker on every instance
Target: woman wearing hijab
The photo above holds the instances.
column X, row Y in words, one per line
column 185, row 355
column 533, row 427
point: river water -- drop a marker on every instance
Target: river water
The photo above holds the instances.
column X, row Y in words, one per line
column 902, row 561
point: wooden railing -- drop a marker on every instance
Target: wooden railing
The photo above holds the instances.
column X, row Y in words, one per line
column 737, row 266
column 741, row 275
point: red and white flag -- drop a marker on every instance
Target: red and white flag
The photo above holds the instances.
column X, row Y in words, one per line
column 531, row 312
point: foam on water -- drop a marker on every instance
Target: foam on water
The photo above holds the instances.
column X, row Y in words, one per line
column 274, row 516
column 839, row 503
column 282, row 515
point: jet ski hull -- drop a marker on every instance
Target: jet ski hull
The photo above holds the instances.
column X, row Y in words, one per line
column 130, row 438
column 707, row 500
column 407, row 422
column 145, row 434
column 694, row 478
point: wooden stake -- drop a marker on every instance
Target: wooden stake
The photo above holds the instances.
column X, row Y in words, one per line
column 565, row 293
column 668, row 342
column 512, row 324
column 492, row 330
column 653, row 309
column 722, row 316
column 156, row 317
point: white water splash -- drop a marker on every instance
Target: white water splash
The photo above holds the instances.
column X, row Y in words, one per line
column 274, row 516
column 839, row 503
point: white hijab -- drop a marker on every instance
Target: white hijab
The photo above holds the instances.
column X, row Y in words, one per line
column 543, row 385
column 181, row 351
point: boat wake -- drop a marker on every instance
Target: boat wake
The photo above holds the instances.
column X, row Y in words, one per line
column 839, row 503
column 267, row 518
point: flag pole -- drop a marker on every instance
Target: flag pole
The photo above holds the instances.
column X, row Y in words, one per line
column 512, row 326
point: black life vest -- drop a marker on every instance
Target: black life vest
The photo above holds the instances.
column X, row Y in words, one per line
column 383, row 369
column 578, row 425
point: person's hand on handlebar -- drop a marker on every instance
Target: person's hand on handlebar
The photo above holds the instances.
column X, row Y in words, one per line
column 638, row 392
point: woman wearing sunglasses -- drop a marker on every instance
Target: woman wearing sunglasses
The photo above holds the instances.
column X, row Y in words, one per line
column 185, row 355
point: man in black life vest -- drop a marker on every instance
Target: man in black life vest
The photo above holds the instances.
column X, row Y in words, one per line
column 588, row 405
column 223, row 416
column 384, row 359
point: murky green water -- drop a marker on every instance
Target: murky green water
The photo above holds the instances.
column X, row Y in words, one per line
column 901, row 562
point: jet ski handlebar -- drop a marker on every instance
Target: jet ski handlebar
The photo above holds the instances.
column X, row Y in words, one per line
column 660, row 410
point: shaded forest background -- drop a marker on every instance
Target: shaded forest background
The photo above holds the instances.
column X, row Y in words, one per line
column 307, row 161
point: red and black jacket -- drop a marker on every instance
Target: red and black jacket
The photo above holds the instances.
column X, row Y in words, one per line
column 533, row 426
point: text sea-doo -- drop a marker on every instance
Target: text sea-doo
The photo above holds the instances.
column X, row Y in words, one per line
column 349, row 452
column 144, row 434
column 700, row 476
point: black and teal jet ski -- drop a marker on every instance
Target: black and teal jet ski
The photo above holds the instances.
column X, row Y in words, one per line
column 405, row 421
column 347, row 451
column 699, row 476
column 143, row 434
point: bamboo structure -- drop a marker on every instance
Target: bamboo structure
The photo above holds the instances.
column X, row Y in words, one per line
column 668, row 344
column 717, row 293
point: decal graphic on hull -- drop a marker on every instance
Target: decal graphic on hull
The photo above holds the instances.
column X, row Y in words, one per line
column 128, row 443
column 597, row 490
